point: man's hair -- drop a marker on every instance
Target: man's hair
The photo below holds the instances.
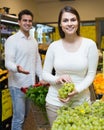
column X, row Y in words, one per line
column 25, row 12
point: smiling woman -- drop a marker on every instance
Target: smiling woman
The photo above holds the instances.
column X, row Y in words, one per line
column 74, row 59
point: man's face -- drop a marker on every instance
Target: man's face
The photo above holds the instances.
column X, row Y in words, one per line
column 25, row 23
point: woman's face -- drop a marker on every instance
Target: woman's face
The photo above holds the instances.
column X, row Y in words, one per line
column 69, row 23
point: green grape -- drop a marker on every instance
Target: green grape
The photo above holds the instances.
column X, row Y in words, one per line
column 72, row 118
column 65, row 90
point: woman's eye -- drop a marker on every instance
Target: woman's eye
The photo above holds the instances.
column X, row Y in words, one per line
column 65, row 20
column 73, row 19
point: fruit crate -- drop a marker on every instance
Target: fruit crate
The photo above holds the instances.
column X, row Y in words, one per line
column 40, row 118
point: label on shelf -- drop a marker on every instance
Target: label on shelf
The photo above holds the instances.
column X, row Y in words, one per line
column 6, row 104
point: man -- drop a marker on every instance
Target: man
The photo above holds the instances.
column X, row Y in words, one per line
column 23, row 62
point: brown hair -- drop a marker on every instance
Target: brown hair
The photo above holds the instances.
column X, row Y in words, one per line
column 23, row 12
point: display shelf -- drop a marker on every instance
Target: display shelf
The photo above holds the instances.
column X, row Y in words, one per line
column 42, row 50
column 5, row 109
column 9, row 18
column 8, row 26
column 100, row 32
column 4, row 78
column 3, row 72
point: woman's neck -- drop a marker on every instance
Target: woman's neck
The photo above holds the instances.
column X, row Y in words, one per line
column 71, row 39
column 72, row 43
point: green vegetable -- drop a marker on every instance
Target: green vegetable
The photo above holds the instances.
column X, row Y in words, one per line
column 37, row 95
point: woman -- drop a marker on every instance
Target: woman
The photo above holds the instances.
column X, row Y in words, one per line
column 74, row 59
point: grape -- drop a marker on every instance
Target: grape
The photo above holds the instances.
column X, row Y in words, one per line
column 73, row 119
column 65, row 90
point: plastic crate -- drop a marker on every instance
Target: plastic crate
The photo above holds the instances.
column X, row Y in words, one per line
column 40, row 118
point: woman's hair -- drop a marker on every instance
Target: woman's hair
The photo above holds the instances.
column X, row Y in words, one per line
column 24, row 12
column 70, row 10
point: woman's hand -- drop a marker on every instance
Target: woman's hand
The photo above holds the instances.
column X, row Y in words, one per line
column 70, row 95
column 64, row 78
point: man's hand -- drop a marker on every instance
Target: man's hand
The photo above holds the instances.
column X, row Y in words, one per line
column 21, row 70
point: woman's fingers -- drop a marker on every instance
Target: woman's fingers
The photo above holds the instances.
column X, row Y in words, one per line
column 65, row 100
column 64, row 78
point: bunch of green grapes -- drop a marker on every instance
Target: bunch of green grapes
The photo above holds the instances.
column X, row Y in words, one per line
column 82, row 117
column 65, row 90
